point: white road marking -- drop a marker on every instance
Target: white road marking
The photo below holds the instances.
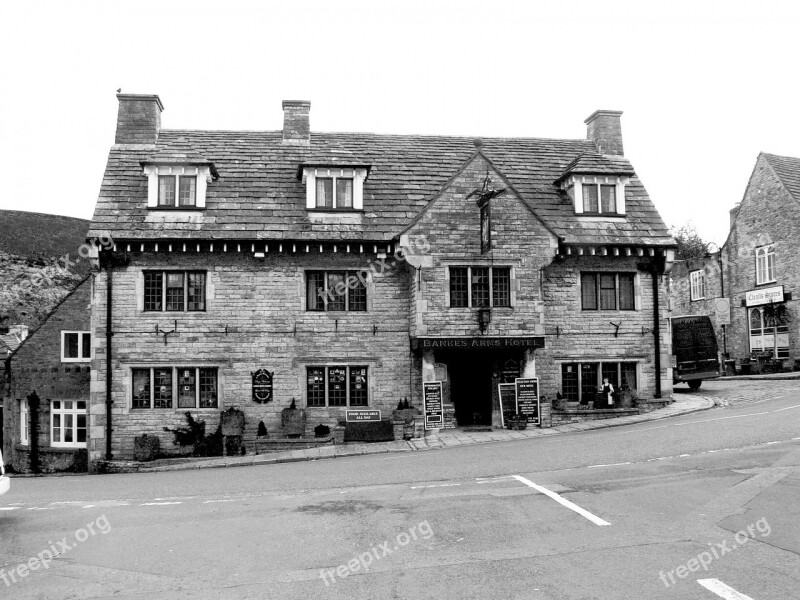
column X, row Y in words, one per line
column 609, row 465
column 213, row 501
column 696, row 422
column 9, row 507
column 722, row 590
column 416, row 487
column 89, row 506
column 787, row 408
column 563, row 501
column 159, row 503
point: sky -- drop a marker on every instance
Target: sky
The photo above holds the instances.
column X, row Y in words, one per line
column 704, row 86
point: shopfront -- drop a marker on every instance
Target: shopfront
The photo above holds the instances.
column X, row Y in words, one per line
column 767, row 320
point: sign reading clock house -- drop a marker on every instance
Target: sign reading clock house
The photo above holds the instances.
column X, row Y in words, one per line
column 262, row 386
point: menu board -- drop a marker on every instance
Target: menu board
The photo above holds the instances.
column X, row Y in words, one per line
column 449, row 416
column 432, row 404
column 508, row 400
column 528, row 398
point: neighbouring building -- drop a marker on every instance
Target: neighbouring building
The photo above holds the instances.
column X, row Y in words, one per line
column 344, row 269
column 46, row 390
column 747, row 287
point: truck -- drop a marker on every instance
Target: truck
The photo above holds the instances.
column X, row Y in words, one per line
column 695, row 355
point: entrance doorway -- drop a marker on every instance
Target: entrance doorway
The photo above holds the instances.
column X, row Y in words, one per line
column 470, row 375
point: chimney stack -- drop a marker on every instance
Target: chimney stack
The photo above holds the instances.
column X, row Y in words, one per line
column 138, row 119
column 604, row 129
column 296, row 126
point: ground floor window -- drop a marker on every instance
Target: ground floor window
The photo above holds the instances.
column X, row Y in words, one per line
column 68, row 423
column 24, row 422
column 765, row 324
column 337, row 385
column 580, row 381
column 193, row 387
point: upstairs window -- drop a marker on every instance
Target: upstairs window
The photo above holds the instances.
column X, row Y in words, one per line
column 480, row 287
column 599, row 198
column 765, row 264
column 76, row 346
column 608, row 291
column 334, row 189
column 177, row 187
column 174, row 291
column 697, row 284
column 596, row 195
column 336, row 291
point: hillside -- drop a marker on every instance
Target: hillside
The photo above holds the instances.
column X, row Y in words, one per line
column 34, row 235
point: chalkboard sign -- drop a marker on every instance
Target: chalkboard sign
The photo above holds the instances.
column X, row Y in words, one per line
column 262, row 385
column 508, row 400
column 528, row 399
column 449, row 411
column 432, row 404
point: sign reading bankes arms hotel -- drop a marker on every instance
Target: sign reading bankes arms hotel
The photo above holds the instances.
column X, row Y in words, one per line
column 468, row 343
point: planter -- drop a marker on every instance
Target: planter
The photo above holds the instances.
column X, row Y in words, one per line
column 232, row 422
column 293, row 422
column 405, row 414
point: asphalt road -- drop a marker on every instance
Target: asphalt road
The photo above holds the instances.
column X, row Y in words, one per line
column 645, row 511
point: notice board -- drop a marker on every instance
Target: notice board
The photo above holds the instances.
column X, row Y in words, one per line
column 432, row 404
column 528, row 398
column 508, row 400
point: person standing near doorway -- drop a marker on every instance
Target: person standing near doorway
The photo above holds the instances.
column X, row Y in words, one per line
column 608, row 390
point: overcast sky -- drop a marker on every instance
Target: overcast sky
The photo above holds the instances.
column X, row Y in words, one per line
column 704, row 86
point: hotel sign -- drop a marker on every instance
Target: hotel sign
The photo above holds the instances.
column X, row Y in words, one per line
column 769, row 295
column 475, row 343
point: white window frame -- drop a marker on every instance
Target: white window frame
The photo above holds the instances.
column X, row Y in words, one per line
column 24, row 422
column 203, row 174
column 765, row 264
column 358, row 175
column 697, row 285
column 81, row 358
column 573, row 185
column 74, row 412
column 762, row 339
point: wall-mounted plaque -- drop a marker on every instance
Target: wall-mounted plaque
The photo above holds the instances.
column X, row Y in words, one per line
column 262, row 386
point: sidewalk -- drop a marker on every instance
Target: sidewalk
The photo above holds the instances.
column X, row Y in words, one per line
column 443, row 438
column 791, row 375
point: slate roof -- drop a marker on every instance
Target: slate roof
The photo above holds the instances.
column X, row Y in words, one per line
column 788, row 170
column 594, row 163
column 8, row 343
column 259, row 197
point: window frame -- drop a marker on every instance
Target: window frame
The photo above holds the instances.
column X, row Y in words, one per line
column 598, row 297
column 81, row 358
column 361, row 284
column 767, row 273
column 24, row 422
column 348, row 380
column 75, row 413
column 177, row 181
column 697, row 285
column 186, row 275
column 491, row 282
column 334, row 205
column 174, row 400
column 598, row 188
column 764, row 332
column 599, row 369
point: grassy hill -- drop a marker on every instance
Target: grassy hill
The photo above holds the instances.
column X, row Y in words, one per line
column 28, row 244
column 35, row 235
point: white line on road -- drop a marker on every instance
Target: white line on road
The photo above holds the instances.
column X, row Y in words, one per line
column 562, row 501
column 230, row 500
column 695, row 422
column 9, row 507
column 159, row 503
column 722, row 590
column 609, row 465
column 787, row 408
column 416, row 487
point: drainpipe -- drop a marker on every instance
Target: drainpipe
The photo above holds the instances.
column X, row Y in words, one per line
column 656, row 330
column 109, row 334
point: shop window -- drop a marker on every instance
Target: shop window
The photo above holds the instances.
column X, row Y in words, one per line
column 608, row 291
column 480, row 287
column 697, row 283
column 174, row 291
column 765, row 264
column 336, row 291
column 338, row 385
column 153, row 387
column 769, row 331
column 68, row 424
column 76, row 346
column 580, row 381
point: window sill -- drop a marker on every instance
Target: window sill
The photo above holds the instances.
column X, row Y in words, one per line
column 767, row 282
column 336, row 210
column 72, row 361
column 177, row 209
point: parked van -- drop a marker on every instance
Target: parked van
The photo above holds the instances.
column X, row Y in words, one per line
column 695, row 355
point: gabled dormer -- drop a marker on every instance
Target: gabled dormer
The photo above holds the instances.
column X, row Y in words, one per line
column 334, row 188
column 596, row 185
column 178, row 177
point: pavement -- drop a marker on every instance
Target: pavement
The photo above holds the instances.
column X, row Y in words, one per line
column 435, row 439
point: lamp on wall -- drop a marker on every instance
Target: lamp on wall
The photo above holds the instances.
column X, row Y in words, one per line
column 484, row 318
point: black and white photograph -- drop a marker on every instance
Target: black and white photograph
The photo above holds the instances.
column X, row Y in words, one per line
column 399, row 300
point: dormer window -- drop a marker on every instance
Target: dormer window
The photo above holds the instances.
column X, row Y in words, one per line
column 599, row 198
column 182, row 188
column 596, row 195
column 177, row 187
column 334, row 189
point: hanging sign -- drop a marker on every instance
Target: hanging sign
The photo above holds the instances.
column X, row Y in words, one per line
column 508, row 400
column 528, row 398
column 262, row 386
column 432, row 404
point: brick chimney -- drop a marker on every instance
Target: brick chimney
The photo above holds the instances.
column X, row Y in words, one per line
column 603, row 128
column 296, row 126
column 138, row 119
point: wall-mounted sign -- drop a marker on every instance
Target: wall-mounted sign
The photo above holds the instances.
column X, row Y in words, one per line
column 769, row 295
column 432, row 404
column 508, row 400
column 722, row 311
column 262, row 386
column 528, row 398
column 359, row 416
column 476, row 343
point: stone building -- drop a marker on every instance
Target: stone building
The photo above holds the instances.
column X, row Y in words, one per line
column 352, row 267
column 46, row 390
